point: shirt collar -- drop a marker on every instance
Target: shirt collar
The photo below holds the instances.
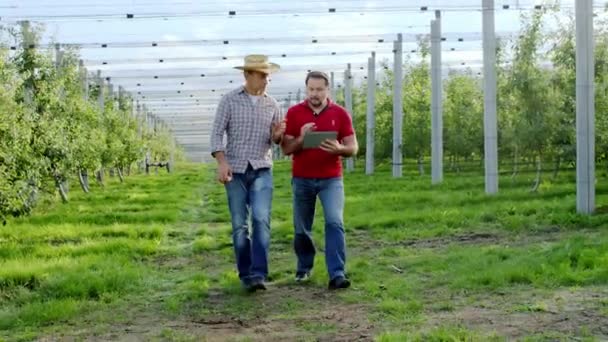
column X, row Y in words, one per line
column 242, row 91
column 329, row 104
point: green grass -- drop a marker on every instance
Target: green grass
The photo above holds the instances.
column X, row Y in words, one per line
column 158, row 249
column 67, row 260
column 175, row 336
column 444, row 334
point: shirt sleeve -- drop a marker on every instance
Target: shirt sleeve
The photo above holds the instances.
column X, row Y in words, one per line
column 346, row 126
column 292, row 127
column 220, row 123
column 277, row 116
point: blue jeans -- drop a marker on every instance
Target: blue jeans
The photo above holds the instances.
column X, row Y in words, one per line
column 331, row 193
column 251, row 192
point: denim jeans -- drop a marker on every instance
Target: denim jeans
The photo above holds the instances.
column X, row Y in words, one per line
column 251, row 193
column 331, row 193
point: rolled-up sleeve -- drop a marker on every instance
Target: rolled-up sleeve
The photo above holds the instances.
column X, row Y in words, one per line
column 277, row 116
column 220, row 123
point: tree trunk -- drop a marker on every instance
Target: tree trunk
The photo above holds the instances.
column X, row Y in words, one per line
column 111, row 172
column 119, row 172
column 99, row 177
column 538, row 172
column 32, row 197
column 65, row 184
column 62, row 192
column 557, row 166
column 420, row 165
column 60, row 187
column 83, row 178
column 515, row 165
column 147, row 163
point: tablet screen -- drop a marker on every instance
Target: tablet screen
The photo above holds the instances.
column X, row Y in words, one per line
column 315, row 139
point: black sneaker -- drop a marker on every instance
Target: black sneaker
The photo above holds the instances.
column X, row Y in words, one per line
column 339, row 282
column 302, row 276
column 256, row 284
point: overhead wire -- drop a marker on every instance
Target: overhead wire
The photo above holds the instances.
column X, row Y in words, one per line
column 231, row 13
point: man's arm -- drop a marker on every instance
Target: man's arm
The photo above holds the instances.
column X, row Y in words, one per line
column 349, row 142
column 277, row 132
column 350, row 146
column 278, row 126
column 220, row 123
column 220, row 157
column 291, row 144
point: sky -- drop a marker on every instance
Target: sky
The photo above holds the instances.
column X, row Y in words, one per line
column 190, row 39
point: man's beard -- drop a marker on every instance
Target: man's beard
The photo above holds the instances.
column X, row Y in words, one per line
column 316, row 102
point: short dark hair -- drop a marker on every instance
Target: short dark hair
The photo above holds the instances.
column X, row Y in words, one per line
column 318, row 75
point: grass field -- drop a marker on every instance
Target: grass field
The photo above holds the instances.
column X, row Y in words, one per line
column 152, row 260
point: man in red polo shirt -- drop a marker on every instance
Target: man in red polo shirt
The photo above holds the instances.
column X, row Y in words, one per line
column 318, row 172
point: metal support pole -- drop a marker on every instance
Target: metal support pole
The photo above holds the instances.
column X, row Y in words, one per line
column 489, row 82
column 398, row 108
column 120, row 97
column 27, row 41
column 371, row 112
column 436, row 102
column 84, row 80
column 100, row 96
column 348, row 99
column 111, row 93
column 585, row 108
column 333, row 87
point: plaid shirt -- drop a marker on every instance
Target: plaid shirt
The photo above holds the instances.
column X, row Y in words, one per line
column 248, row 129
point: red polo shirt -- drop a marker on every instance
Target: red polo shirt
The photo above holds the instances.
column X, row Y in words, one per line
column 314, row 162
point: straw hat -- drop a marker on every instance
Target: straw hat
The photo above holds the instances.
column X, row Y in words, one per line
column 258, row 63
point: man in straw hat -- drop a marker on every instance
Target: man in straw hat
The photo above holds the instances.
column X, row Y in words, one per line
column 251, row 121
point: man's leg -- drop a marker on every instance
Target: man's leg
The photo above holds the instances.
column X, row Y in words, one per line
column 304, row 199
column 238, row 200
column 332, row 198
column 260, row 194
